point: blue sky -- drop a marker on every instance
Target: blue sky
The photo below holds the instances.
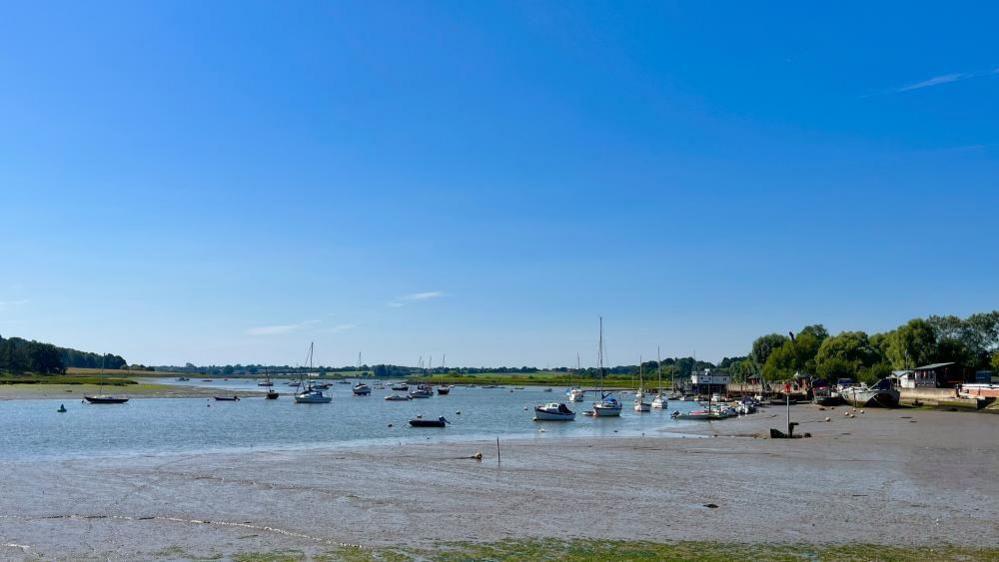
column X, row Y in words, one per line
column 227, row 181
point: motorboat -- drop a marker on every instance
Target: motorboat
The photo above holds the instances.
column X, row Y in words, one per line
column 323, row 386
column 444, row 389
column 577, row 394
column 400, row 386
column 553, row 411
column 361, row 389
column 420, row 422
column 397, row 397
column 660, row 402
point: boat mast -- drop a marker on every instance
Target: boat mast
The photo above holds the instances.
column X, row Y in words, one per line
column 600, row 357
column 659, row 367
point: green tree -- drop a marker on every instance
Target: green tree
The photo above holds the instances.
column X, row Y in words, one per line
column 765, row 345
column 851, row 349
column 912, row 345
column 995, row 363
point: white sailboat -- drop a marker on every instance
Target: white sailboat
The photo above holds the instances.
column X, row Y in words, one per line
column 640, row 404
column 575, row 393
column 607, row 406
column 310, row 394
column 660, row 402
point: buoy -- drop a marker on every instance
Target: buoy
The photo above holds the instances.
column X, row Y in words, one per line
column 390, row 425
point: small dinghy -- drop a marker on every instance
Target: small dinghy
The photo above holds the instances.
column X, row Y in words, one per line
column 226, row 398
column 419, row 422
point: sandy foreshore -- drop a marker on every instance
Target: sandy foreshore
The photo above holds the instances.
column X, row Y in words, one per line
column 892, row 477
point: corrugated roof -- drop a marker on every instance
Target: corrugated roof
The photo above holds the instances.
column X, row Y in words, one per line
column 933, row 366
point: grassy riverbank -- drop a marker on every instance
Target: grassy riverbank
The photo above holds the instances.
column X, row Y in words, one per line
column 68, row 379
column 598, row 551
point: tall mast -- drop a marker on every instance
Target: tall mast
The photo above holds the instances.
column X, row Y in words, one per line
column 600, row 356
column 659, row 367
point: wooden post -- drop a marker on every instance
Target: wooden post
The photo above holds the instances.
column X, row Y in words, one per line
column 497, row 451
column 788, row 395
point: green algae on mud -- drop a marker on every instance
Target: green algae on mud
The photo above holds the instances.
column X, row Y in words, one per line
column 597, row 550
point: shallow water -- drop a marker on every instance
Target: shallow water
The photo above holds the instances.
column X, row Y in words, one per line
column 33, row 429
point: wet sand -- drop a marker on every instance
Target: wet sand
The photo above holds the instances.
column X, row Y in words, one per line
column 901, row 477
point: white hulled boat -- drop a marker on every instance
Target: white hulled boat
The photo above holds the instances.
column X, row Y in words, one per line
column 553, row 411
column 607, row 406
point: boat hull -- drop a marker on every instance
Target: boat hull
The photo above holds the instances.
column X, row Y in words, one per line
column 870, row 397
column 105, row 400
column 643, row 407
column 606, row 411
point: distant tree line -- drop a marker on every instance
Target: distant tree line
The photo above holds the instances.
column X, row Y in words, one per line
column 18, row 355
column 971, row 342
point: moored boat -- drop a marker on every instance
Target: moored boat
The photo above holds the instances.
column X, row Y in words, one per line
column 272, row 394
column 311, row 394
column 553, row 411
column 100, row 397
column 422, row 391
column 361, row 389
column 444, row 389
column 397, row 397
column 226, row 398
column 420, row 422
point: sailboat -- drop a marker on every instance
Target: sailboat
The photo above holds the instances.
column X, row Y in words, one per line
column 659, row 402
column 443, row 389
column 309, row 393
column 267, row 379
column 575, row 393
column 640, row 404
column 100, row 397
column 607, row 406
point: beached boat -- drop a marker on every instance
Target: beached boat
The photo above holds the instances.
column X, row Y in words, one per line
column 881, row 394
column 361, row 389
column 825, row 395
column 100, row 397
column 553, row 411
column 311, row 394
column 709, row 414
column 226, row 398
column 272, row 394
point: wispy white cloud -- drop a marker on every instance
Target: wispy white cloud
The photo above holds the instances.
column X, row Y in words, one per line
column 415, row 297
column 342, row 328
column 945, row 79
column 11, row 304
column 279, row 328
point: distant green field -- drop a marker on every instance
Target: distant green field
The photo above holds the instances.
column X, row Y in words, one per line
column 541, row 378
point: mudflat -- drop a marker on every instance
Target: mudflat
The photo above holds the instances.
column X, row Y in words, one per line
column 884, row 477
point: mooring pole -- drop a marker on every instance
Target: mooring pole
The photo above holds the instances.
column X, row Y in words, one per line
column 497, row 451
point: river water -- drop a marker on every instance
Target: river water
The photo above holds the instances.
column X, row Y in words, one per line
column 32, row 429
